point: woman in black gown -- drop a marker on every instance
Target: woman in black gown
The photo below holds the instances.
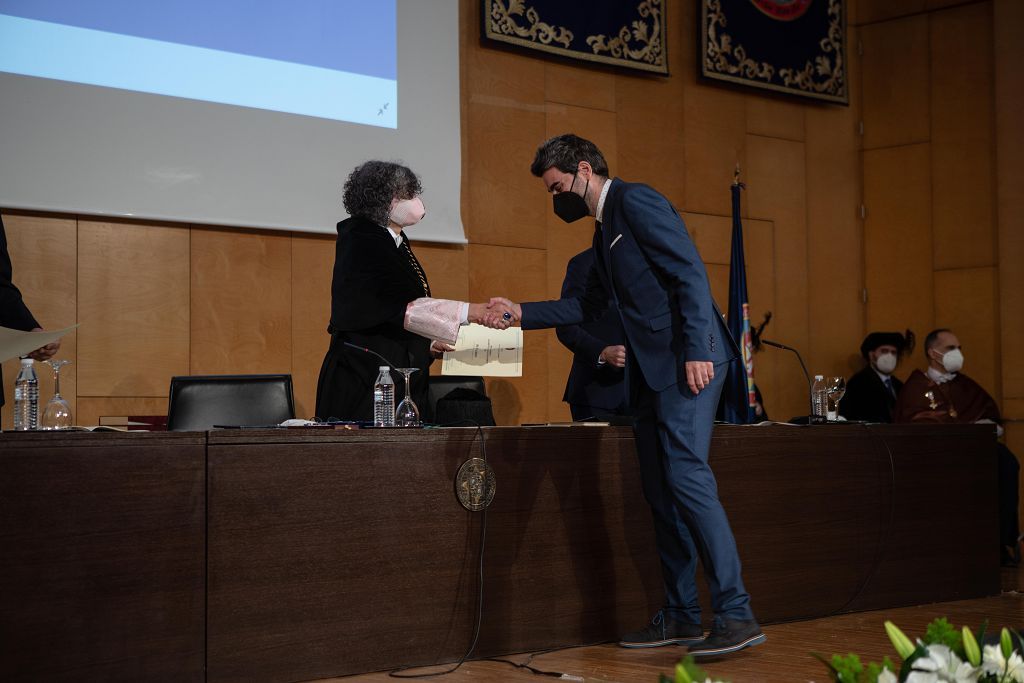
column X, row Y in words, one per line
column 376, row 275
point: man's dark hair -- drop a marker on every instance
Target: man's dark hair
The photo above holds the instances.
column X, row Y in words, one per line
column 933, row 338
column 371, row 187
column 565, row 152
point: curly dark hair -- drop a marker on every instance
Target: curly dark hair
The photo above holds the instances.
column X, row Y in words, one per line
column 372, row 185
column 565, row 152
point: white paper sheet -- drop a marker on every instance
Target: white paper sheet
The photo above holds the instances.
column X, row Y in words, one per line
column 483, row 352
column 14, row 343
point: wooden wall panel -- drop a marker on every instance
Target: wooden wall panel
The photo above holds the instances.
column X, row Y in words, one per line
column 895, row 82
column 834, row 240
column 776, row 118
column 579, row 86
column 312, row 267
column 759, row 254
column 963, row 221
column 653, row 152
column 503, row 122
column 518, row 274
column 965, row 302
column 1008, row 17
column 872, row 11
column 776, row 189
column 231, row 270
column 897, row 239
column 133, row 305
column 503, row 137
column 714, row 130
column 44, row 258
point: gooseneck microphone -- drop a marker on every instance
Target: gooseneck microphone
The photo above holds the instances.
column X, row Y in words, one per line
column 807, row 375
column 363, row 348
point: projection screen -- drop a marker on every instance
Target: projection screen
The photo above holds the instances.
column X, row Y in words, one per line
column 227, row 112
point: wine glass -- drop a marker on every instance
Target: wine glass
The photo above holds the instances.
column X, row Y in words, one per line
column 58, row 411
column 407, row 414
column 836, row 387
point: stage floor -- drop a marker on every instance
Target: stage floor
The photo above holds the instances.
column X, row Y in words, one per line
column 785, row 657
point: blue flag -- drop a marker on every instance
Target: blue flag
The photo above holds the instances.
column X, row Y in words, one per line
column 738, row 395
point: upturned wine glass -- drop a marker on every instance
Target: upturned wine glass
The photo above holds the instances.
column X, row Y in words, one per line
column 407, row 414
column 836, row 387
column 58, row 411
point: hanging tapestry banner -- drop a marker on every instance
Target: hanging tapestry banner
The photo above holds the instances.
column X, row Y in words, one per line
column 791, row 46
column 626, row 33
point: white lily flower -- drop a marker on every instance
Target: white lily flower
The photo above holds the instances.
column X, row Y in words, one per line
column 993, row 662
column 887, row 677
column 941, row 665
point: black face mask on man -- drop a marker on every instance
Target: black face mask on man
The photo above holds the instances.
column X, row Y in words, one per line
column 570, row 206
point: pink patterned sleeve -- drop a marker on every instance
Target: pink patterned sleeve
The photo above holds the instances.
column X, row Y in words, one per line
column 434, row 319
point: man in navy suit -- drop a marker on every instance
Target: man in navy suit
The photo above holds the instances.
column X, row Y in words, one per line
column 595, row 388
column 677, row 347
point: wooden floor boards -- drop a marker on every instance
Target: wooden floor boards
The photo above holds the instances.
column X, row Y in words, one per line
column 785, row 657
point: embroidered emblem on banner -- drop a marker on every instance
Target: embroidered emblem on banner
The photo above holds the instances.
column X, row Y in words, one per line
column 783, row 10
column 790, row 46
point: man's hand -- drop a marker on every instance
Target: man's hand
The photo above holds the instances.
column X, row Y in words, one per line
column 699, row 374
column 614, row 355
column 499, row 313
column 490, row 315
column 44, row 352
column 438, row 348
column 506, row 305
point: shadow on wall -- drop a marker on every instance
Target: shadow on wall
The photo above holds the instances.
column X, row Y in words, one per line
column 505, row 401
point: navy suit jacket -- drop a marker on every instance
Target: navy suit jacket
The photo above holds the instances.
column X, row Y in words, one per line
column 589, row 383
column 648, row 266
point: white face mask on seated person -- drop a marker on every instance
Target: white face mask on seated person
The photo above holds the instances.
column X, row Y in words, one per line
column 407, row 212
column 886, row 363
column 953, row 360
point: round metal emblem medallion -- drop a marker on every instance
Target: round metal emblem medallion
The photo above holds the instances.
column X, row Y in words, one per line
column 783, row 10
column 474, row 484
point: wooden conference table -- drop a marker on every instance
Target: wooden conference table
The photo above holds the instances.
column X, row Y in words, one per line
column 286, row 555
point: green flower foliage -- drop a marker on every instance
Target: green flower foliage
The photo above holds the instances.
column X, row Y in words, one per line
column 686, row 671
column 849, row 669
column 941, row 632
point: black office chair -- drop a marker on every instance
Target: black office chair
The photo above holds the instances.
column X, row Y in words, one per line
column 199, row 402
column 452, row 398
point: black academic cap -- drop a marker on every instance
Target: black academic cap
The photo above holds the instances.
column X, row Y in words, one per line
column 903, row 343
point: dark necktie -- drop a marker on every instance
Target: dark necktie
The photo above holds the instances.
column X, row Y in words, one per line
column 415, row 265
column 890, row 387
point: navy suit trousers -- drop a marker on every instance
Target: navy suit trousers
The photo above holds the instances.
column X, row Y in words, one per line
column 673, row 437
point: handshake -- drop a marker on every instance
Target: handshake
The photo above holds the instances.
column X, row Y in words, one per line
column 498, row 314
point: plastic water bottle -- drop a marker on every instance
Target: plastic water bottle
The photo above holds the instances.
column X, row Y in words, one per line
column 819, row 399
column 384, row 399
column 26, row 398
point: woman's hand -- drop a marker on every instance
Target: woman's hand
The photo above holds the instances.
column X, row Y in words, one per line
column 438, row 348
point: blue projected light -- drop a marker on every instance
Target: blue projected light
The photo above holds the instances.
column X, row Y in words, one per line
column 333, row 59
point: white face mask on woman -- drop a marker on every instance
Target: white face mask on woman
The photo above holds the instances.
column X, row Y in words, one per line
column 407, row 212
column 886, row 363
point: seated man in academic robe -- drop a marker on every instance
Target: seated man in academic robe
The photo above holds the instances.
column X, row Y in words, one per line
column 871, row 393
column 943, row 394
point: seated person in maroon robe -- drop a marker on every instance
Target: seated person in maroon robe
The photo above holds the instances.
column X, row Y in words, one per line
column 943, row 394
